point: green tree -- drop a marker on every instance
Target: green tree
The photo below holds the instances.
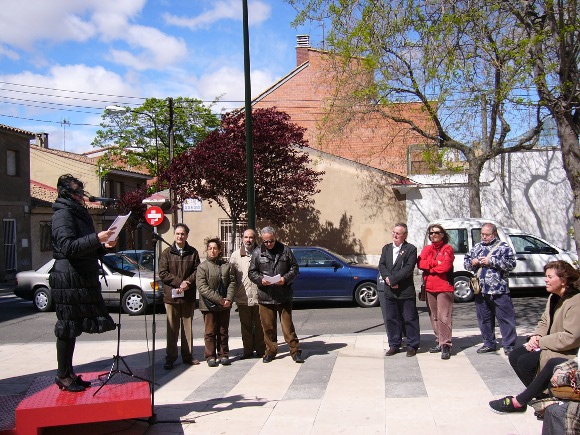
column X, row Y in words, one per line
column 140, row 136
column 461, row 61
column 552, row 37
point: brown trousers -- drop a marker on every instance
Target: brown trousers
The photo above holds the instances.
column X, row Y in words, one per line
column 268, row 317
column 216, row 337
column 440, row 306
column 179, row 317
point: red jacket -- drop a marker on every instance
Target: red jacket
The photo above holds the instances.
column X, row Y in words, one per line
column 435, row 264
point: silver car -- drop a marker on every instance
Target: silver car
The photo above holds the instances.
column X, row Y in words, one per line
column 133, row 290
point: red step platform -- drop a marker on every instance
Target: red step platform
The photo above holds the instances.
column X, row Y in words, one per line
column 123, row 397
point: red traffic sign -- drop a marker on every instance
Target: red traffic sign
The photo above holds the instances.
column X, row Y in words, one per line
column 154, row 216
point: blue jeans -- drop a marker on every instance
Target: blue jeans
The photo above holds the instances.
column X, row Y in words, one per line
column 399, row 313
column 490, row 307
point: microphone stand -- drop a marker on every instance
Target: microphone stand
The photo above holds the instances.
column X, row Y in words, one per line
column 155, row 238
column 115, row 367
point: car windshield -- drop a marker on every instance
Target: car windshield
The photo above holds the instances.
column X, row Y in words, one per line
column 122, row 263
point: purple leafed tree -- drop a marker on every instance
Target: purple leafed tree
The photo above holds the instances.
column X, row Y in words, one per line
column 215, row 170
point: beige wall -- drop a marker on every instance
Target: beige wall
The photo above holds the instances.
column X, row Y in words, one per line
column 353, row 214
column 46, row 167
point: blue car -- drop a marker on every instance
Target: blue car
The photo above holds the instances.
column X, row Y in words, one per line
column 327, row 276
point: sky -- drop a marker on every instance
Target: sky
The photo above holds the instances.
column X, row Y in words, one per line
column 63, row 61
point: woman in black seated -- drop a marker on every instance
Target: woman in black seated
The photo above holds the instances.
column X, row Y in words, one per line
column 74, row 278
column 555, row 340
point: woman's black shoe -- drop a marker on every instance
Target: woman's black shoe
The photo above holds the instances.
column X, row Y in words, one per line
column 79, row 381
column 68, row 384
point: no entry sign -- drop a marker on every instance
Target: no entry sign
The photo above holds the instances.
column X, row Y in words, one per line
column 154, row 216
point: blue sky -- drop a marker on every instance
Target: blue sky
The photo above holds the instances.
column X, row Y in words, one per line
column 107, row 51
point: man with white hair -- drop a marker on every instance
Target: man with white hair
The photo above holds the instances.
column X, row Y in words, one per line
column 273, row 267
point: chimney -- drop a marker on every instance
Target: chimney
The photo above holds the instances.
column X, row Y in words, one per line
column 42, row 140
column 302, row 46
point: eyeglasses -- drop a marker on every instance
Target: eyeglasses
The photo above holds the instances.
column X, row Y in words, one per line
column 434, row 232
column 267, row 242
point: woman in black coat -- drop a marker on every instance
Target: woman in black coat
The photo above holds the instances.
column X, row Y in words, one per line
column 74, row 278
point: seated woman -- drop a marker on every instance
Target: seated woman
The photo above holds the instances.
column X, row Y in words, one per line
column 555, row 340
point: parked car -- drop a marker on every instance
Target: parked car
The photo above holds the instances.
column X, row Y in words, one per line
column 326, row 275
column 133, row 290
column 532, row 253
column 144, row 257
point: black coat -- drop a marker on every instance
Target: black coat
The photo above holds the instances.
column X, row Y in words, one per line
column 401, row 272
column 278, row 260
column 74, row 278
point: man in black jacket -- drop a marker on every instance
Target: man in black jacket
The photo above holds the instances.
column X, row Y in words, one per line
column 177, row 268
column 398, row 302
column 273, row 267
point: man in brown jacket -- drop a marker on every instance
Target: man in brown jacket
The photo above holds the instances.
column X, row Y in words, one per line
column 177, row 268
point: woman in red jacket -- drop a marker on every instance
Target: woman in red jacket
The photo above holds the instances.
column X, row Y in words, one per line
column 436, row 260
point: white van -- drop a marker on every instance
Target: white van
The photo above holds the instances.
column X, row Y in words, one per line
column 532, row 253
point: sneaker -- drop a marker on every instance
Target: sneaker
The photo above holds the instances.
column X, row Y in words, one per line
column 445, row 352
column 505, row 405
column 435, row 349
column 507, row 350
column 486, row 349
column 211, row 362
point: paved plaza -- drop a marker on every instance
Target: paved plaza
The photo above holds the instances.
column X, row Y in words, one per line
column 345, row 386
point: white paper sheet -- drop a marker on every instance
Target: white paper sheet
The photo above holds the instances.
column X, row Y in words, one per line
column 272, row 279
column 117, row 226
column 174, row 293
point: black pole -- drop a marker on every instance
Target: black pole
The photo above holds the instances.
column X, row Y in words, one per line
column 249, row 129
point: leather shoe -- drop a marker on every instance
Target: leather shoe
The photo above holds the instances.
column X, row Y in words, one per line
column 485, row 349
column 297, row 358
column 411, row 351
column 168, row 366
column 225, row 361
column 392, row 351
column 211, row 362
column 267, row 358
column 191, row 362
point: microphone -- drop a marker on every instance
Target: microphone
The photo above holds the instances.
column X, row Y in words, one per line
column 101, row 199
column 148, row 228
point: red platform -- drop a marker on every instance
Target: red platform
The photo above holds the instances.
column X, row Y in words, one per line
column 122, row 398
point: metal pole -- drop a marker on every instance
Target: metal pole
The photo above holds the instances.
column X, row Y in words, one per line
column 249, row 135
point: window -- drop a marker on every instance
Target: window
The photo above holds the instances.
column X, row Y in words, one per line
column 531, row 245
column 9, row 244
column 312, row 258
column 45, row 242
column 12, row 163
column 458, row 240
column 226, row 235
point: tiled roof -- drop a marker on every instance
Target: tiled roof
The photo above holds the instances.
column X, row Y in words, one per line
column 17, row 130
column 86, row 159
column 42, row 195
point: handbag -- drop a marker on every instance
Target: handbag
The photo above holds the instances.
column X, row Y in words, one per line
column 475, row 285
column 422, row 296
column 221, row 290
column 566, row 393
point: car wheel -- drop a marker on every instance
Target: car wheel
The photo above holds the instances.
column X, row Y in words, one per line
column 42, row 299
column 134, row 303
column 366, row 295
column 462, row 291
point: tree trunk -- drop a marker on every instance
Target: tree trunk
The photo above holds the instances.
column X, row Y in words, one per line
column 571, row 157
column 473, row 186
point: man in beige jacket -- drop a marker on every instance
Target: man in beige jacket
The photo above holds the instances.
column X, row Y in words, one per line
column 246, row 298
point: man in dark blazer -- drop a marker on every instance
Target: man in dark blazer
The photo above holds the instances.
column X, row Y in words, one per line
column 398, row 301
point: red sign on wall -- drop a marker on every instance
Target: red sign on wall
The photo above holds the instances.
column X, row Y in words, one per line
column 154, row 216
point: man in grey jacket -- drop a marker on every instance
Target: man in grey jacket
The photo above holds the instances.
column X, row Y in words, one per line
column 246, row 298
column 273, row 267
